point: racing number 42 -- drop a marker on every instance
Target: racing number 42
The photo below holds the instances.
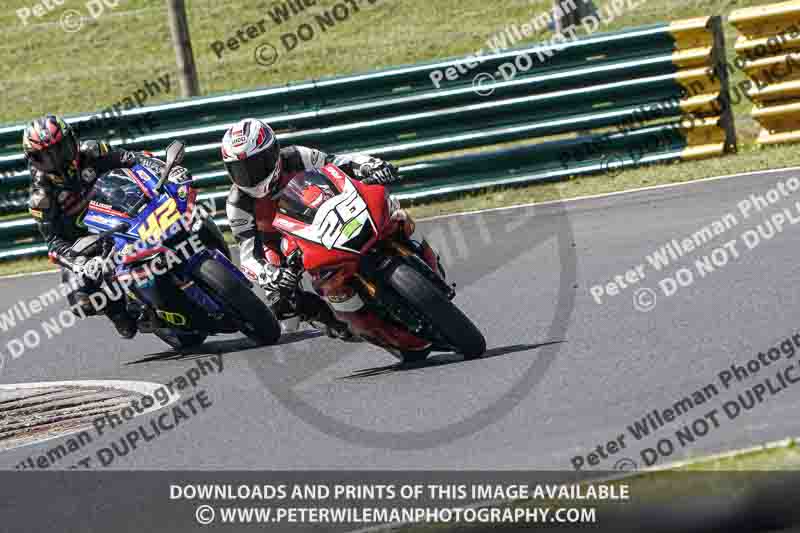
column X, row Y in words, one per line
column 159, row 221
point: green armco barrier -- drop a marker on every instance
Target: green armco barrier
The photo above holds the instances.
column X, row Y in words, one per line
column 450, row 186
column 564, row 157
column 636, row 84
column 364, row 135
column 22, row 251
column 306, row 95
column 551, row 90
column 13, row 230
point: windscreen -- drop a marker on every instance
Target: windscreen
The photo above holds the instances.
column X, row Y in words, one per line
column 118, row 190
column 304, row 194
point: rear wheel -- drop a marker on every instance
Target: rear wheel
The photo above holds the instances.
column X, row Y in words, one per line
column 259, row 322
column 212, row 237
column 446, row 318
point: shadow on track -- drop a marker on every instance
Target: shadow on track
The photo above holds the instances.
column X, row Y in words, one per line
column 443, row 359
column 212, row 348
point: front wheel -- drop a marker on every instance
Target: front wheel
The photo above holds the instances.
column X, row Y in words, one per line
column 446, row 318
column 258, row 320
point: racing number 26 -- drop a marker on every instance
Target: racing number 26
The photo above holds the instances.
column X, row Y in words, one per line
column 339, row 216
column 159, row 221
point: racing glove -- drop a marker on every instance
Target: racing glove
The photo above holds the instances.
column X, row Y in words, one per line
column 282, row 280
column 271, row 278
column 380, row 173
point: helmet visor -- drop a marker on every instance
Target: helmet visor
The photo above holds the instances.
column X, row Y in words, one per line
column 250, row 172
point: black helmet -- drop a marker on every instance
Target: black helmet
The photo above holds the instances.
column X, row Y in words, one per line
column 50, row 145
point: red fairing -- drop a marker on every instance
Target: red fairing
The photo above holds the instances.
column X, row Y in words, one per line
column 333, row 270
column 191, row 199
column 143, row 254
column 316, row 256
column 373, row 195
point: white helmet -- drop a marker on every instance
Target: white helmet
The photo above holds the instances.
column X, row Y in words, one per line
column 251, row 153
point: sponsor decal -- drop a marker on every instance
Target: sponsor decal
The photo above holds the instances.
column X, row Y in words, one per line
column 177, row 175
column 176, row 319
column 352, row 227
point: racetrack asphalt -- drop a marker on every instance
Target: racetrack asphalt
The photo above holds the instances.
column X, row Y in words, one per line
column 611, row 366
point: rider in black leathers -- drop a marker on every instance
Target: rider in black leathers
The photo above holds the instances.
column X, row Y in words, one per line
column 63, row 172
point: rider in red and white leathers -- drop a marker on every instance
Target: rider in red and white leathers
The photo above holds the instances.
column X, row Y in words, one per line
column 259, row 169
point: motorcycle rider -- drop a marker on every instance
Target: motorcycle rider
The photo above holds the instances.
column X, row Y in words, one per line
column 63, row 172
column 259, row 168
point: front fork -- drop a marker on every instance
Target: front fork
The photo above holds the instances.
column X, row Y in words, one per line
column 422, row 251
column 404, row 245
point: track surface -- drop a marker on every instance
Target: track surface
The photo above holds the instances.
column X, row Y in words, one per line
column 615, row 364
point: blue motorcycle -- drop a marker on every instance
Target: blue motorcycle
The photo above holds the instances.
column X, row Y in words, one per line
column 169, row 257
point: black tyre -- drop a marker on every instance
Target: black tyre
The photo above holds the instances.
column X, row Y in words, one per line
column 449, row 321
column 259, row 321
column 180, row 340
column 213, row 238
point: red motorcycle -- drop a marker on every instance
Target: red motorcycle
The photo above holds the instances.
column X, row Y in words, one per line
column 353, row 240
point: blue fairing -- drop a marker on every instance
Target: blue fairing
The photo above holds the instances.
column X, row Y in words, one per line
column 127, row 196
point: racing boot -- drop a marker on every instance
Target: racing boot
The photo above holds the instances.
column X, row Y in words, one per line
column 284, row 309
column 126, row 326
column 315, row 309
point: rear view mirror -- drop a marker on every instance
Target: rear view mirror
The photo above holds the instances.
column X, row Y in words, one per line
column 175, row 152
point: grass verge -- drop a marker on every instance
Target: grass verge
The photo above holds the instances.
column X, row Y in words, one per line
column 722, row 478
column 785, row 456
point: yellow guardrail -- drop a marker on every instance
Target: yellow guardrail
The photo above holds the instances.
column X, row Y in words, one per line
column 768, row 48
column 699, row 59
